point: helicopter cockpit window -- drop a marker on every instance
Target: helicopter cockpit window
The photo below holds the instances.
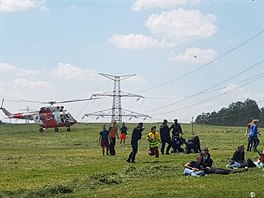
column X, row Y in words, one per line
column 69, row 116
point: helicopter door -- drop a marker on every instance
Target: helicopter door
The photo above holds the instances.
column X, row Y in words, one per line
column 38, row 120
column 60, row 117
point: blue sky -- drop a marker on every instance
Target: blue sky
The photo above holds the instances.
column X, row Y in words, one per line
column 189, row 56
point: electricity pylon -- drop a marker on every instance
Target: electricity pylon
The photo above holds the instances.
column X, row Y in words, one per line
column 117, row 112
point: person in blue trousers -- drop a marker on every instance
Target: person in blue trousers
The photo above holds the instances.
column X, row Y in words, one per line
column 194, row 168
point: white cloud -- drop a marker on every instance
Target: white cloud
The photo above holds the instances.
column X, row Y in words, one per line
column 133, row 41
column 68, row 71
column 179, row 26
column 28, row 72
column 21, row 5
column 7, row 67
column 163, row 4
column 195, row 55
column 169, row 29
column 27, row 84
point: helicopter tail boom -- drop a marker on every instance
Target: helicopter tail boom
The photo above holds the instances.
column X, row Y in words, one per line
column 7, row 113
column 28, row 115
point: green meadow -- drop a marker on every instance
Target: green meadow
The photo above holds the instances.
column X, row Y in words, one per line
column 70, row 164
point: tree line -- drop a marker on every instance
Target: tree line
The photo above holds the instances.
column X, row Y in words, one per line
column 236, row 114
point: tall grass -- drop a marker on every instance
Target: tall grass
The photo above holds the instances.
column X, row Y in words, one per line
column 70, row 164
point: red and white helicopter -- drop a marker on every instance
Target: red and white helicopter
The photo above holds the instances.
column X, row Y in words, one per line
column 49, row 116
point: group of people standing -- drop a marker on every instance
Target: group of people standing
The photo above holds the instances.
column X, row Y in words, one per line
column 107, row 138
column 202, row 165
column 154, row 138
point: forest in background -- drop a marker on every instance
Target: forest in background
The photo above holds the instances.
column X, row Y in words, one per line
column 236, row 114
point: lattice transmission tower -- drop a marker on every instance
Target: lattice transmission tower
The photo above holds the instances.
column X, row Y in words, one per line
column 117, row 112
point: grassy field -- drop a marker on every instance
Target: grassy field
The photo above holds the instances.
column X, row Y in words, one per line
column 70, row 164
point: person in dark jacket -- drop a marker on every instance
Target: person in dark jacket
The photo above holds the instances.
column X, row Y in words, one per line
column 238, row 159
column 165, row 137
column 206, row 158
column 176, row 128
column 193, row 144
column 177, row 143
column 136, row 135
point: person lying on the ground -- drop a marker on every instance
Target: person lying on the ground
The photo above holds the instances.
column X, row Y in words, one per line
column 222, row 171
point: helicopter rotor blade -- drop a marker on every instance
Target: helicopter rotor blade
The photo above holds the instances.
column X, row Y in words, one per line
column 77, row 100
column 34, row 101
column 52, row 102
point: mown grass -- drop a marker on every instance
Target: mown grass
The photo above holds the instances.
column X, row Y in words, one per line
column 70, row 164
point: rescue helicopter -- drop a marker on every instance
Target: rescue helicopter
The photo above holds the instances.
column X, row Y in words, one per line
column 48, row 116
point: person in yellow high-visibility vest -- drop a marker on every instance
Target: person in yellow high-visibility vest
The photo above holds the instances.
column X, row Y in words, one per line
column 153, row 138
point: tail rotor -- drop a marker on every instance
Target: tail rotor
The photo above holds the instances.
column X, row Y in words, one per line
column 2, row 104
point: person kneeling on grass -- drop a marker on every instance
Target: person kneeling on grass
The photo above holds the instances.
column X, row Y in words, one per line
column 193, row 144
column 194, row 168
column 153, row 138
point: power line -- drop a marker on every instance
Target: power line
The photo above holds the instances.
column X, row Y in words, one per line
column 207, row 89
column 206, row 64
column 198, row 103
